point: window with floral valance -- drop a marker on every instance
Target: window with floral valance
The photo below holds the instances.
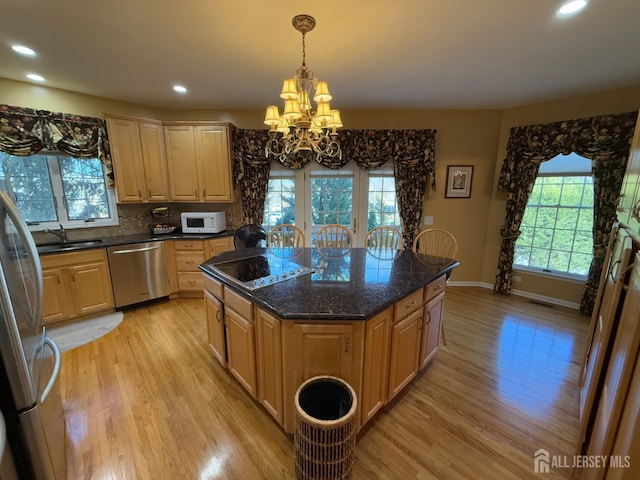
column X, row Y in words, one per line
column 27, row 131
column 606, row 141
column 412, row 153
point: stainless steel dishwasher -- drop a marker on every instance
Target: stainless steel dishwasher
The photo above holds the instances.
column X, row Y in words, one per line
column 138, row 272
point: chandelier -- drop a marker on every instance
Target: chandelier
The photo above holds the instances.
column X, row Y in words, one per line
column 301, row 128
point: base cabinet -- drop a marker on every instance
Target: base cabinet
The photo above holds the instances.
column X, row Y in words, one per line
column 241, row 350
column 269, row 351
column 76, row 284
column 431, row 329
column 405, row 349
column 215, row 326
column 376, row 365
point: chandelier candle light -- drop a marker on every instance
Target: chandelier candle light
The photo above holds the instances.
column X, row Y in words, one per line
column 300, row 128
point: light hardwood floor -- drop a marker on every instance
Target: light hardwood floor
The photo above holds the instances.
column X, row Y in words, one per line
column 148, row 401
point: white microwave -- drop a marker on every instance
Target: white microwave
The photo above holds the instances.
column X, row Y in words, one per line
column 203, row 222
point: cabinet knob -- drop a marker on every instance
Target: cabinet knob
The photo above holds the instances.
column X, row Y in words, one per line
column 195, row 193
column 149, row 192
column 204, row 193
column 347, row 343
column 140, row 193
column 412, row 304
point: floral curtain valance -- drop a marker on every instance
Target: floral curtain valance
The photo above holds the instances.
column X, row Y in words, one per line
column 26, row 131
column 411, row 152
column 605, row 140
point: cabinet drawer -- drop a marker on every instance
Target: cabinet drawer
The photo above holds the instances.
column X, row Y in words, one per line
column 235, row 302
column 189, row 245
column 408, row 305
column 188, row 261
column 212, row 285
column 434, row 288
column 190, row 281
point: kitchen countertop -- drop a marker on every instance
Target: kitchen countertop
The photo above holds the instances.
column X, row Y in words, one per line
column 72, row 245
column 353, row 286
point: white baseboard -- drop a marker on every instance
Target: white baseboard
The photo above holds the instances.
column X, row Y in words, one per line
column 520, row 293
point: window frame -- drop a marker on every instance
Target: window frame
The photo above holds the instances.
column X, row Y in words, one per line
column 555, row 172
column 59, row 199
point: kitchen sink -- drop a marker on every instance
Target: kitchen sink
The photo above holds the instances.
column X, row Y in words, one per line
column 65, row 246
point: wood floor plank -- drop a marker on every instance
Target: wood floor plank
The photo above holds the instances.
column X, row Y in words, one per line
column 149, row 401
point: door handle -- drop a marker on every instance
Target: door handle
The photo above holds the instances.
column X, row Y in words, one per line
column 134, row 250
column 56, row 368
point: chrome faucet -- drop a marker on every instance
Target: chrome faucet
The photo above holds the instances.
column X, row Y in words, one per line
column 61, row 234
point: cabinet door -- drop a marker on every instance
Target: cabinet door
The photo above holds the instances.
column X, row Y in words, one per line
column 214, row 163
column 57, row 303
column 241, row 350
column 405, row 349
column 91, row 285
column 269, row 347
column 376, row 365
column 220, row 245
column 320, row 349
column 181, row 161
column 431, row 329
column 154, row 159
column 215, row 326
column 126, row 154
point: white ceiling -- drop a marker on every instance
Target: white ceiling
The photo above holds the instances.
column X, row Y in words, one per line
column 374, row 53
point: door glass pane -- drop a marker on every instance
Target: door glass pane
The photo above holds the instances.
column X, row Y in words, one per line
column 27, row 180
column 331, row 201
column 280, row 203
column 84, row 188
column 382, row 205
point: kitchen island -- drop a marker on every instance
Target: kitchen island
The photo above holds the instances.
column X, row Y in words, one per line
column 372, row 318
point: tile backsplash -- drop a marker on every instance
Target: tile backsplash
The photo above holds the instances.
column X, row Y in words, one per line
column 136, row 217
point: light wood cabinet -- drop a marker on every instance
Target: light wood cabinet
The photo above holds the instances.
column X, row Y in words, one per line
column 629, row 204
column 214, row 311
column 188, row 255
column 405, row 349
column 199, row 161
column 431, row 329
column 376, row 365
column 76, row 284
column 312, row 349
column 139, row 159
column 269, row 352
column 240, row 335
column 220, row 245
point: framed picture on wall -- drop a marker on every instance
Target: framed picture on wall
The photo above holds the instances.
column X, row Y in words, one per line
column 459, row 181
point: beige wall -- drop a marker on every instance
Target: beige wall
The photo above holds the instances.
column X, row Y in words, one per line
column 464, row 137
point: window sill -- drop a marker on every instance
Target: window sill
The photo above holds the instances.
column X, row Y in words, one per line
column 558, row 275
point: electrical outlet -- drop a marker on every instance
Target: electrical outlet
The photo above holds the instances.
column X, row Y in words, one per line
column 428, row 220
column 516, row 278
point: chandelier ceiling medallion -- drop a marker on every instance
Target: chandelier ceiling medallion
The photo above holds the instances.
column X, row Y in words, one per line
column 302, row 128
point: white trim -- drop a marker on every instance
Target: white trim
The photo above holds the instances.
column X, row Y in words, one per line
column 521, row 293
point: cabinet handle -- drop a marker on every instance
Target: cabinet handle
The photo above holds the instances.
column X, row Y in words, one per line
column 189, row 262
column 438, row 286
column 218, row 316
column 195, row 193
column 188, row 245
column 73, row 277
column 347, row 343
column 140, row 193
column 149, row 192
column 428, row 318
column 412, row 304
column 204, row 193
column 58, row 279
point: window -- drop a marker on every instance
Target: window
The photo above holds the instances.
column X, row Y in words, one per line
column 315, row 196
column 382, row 205
column 52, row 189
column 280, row 204
column 558, row 220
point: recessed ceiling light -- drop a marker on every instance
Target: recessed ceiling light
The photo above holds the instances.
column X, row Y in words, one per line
column 36, row 77
column 571, row 7
column 22, row 50
column 179, row 89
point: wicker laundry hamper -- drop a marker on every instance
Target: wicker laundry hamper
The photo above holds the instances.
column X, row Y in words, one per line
column 325, row 430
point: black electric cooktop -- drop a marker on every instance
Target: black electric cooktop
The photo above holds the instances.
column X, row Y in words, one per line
column 260, row 270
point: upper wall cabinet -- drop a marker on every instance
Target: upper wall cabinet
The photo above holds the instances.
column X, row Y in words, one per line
column 139, row 159
column 199, row 161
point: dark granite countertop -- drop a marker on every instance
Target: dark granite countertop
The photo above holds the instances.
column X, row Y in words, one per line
column 46, row 248
column 353, row 286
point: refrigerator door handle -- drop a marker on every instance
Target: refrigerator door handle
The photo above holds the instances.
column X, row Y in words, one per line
column 56, row 368
column 23, row 231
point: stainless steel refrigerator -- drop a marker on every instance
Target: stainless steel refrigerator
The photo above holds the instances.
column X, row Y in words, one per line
column 29, row 360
